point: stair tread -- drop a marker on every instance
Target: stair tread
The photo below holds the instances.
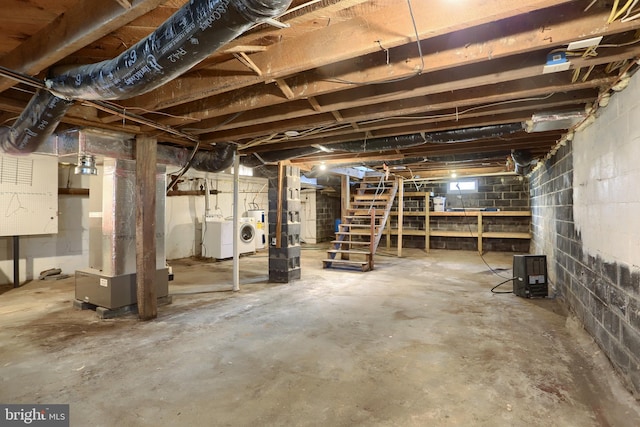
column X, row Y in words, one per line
column 348, row 251
column 346, row 261
column 350, row 242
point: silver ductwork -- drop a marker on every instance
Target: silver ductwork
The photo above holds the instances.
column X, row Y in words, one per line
column 117, row 145
column 522, row 160
column 195, row 31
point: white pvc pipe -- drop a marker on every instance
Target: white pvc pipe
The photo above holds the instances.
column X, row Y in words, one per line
column 236, row 220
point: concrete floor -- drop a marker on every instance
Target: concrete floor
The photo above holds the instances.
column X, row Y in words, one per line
column 420, row 341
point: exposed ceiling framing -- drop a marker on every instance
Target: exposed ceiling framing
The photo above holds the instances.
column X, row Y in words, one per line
column 340, row 71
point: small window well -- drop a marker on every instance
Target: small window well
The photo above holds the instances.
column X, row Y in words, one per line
column 466, row 186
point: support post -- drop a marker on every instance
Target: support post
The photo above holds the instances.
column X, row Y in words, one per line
column 345, row 189
column 427, row 224
column 236, row 225
column 146, row 154
column 480, row 227
column 279, row 208
column 400, row 214
column 16, row 261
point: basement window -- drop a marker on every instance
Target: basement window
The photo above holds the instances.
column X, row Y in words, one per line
column 465, row 186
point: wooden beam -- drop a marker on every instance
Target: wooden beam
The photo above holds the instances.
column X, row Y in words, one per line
column 345, row 197
column 279, row 206
column 284, row 87
column 244, row 59
column 314, row 104
column 245, row 49
column 387, row 27
column 146, row 154
column 337, row 115
column 80, row 25
column 568, row 24
column 124, row 3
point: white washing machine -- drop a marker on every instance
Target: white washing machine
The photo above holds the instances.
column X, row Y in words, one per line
column 247, row 235
column 261, row 227
column 217, row 238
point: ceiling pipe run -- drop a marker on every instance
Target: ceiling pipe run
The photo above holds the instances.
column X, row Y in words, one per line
column 387, row 144
column 473, row 134
column 522, row 160
column 363, row 146
column 195, row 31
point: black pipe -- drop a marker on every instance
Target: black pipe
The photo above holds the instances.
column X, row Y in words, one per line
column 16, row 261
column 36, row 123
column 379, row 144
column 472, row 134
column 214, row 161
column 195, row 31
column 522, row 160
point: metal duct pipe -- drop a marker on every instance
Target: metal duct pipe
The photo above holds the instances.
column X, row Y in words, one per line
column 259, row 159
column 195, row 31
column 522, row 159
column 36, row 123
column 472, row 134
column 214, row 161
column 363, row 146
column 380, row 144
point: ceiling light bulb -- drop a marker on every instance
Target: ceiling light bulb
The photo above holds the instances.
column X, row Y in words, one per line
column 323, row 167
column 453, row 174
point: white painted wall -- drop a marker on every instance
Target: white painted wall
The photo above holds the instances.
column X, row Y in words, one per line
column 308, row 226
column 183, row 219
column 69, row 249
column 607, row 180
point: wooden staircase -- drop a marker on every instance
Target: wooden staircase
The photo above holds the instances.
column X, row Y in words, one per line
column 359, row 235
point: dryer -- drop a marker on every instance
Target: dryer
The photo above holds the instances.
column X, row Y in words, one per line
column 247, row 235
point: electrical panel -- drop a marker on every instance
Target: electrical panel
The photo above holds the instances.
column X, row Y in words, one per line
column 530, row 276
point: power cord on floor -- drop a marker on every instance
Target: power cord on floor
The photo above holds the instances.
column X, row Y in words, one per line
column 494, row 271
column 464, row 212
column 493, row 290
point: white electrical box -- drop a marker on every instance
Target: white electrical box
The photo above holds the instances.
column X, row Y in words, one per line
column 28, row 195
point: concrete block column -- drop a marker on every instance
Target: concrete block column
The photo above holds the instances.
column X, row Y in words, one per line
column 284, row 262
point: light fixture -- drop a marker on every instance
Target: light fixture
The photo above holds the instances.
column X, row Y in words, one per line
column 454, row 174
column 291, row 133
column 323, row 167
column 86, row 165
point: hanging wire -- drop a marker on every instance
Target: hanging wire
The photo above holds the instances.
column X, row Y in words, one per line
column 400, row 79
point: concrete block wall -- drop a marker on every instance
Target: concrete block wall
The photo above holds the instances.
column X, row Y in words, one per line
column 501, row 192
column 284, row 261
column 585, row 202
column 327, row 211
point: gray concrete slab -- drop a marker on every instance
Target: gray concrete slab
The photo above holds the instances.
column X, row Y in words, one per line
column 420, row 341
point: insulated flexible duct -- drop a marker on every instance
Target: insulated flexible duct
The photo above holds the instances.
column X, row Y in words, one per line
column 473, row 134
column 194, row 32
column 388, row 143
column 35, row 124
column 363, row 146
column 217, row 160
column 522, row 159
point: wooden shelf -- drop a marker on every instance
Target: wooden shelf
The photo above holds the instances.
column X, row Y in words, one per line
column 505, row 235
column 475, row 231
